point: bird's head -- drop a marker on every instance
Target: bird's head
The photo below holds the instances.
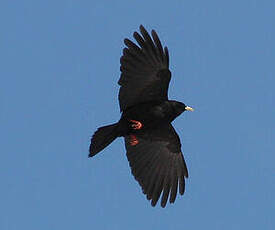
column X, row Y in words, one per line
column 180, row 107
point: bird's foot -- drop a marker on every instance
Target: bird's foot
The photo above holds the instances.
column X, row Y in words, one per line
column 133, row 140
column 136, row 124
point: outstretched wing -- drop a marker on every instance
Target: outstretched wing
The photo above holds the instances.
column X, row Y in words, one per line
column 145, row 74
column 157, row 163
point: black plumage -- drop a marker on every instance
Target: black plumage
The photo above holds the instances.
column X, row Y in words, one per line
column 152, row 144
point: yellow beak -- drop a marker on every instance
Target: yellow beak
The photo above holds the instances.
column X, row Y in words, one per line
column 189, row 108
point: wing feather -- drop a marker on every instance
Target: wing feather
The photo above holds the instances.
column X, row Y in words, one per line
column 158, row 185
column 145, row 74
column 174, row 183
column 158, row 164
column 158, row 44
column 167, row 183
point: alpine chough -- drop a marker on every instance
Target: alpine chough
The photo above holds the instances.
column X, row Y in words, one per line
column 152, row 144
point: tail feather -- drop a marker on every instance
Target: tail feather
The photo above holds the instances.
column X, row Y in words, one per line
column 102, row 138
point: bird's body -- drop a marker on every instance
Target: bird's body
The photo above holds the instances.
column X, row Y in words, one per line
column 150, row 114
column 153, row 146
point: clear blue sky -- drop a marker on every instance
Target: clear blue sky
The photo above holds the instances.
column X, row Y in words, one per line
column 59, row 71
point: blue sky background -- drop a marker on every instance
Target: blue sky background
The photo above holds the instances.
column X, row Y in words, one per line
column 59, row 72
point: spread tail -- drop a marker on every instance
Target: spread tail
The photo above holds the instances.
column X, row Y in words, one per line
column 102, row 138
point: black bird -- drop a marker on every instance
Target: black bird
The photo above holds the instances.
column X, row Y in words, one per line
column 153, row 146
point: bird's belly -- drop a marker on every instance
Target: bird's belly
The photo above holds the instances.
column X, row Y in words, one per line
column 150, row 116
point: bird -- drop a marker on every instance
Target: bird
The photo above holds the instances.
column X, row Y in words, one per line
column 153, row 147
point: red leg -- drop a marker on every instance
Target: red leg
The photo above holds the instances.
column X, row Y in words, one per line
column 133, row 140
column 136, row 124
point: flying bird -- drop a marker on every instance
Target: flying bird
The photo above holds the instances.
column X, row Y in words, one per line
column 153, row 147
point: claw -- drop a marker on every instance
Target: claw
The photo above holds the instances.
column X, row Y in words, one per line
column 136, row 124
column 133, row 140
